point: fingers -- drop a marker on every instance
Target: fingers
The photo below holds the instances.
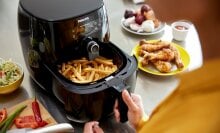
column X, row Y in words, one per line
column 97, row 129
column 136, row 98
column 92, row 127
column 88, row 127
column 128, row 100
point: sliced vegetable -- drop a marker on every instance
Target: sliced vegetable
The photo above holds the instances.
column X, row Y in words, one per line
column 1, row 74
column 4, row 125
column 37, row 114
column 3, row 114
column 26, row 122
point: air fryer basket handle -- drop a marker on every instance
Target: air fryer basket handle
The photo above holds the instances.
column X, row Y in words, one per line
column 123, row 109
column 118, row 84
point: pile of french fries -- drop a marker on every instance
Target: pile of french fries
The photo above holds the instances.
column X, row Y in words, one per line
column 85, row 71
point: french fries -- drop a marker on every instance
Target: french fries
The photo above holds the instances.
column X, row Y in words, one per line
column 85, row 71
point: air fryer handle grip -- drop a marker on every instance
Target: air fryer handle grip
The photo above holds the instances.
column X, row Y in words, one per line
column 123, row 109
column 118, row 84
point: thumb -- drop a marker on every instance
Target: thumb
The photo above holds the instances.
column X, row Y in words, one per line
column 129, row 101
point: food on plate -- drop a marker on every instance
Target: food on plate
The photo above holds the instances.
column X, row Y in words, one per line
column 129, row 13
column 148, row 25
column 156, row 23
column 9, row 72
column 135, row 27
column 152, row 47
column 129, row 21
column 3, row 114
column 145, row 8
column 161, row 54
column 141, row 20
column 85, row 71
column 178, row 60
column 162, row 66
column 149, row 15
column 5, row 125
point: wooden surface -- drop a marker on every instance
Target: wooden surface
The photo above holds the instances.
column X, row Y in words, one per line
column 28, row 111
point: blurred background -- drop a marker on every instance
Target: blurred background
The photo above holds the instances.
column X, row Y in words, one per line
column 205, row 14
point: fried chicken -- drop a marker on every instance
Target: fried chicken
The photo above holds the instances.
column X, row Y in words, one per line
column 164, row 54
column 144, row 61
column 151, row 47
column 162, row 66
column 161, row 54
column 177, row 60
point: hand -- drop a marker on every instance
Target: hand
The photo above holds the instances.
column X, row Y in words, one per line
column 135, row 108
column 92, row 127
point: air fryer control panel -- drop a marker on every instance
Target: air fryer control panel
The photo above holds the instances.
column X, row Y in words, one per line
column 89, row 24
column 94, row 24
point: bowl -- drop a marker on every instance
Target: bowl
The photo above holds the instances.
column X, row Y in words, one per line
column 11, row 86
column 180, row 30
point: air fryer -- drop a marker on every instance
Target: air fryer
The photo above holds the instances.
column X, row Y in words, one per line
column 54, row 31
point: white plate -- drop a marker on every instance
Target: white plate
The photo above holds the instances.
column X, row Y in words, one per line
column 157, row 30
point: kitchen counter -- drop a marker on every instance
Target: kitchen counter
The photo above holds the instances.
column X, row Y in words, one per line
column 153, row 89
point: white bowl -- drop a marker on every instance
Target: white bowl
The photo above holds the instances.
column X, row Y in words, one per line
column 180, row 30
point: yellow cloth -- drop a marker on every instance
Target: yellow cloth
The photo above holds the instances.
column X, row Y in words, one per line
column 194, row 107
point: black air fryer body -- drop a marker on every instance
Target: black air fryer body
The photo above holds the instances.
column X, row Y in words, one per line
column 56, row 31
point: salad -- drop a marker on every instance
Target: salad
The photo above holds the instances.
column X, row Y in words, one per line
column 9, row 72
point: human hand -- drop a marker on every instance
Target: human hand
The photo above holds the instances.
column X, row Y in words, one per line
column 92, row 127
column 135, row 108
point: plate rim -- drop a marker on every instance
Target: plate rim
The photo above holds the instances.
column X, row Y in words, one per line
column 158, row 30
column 134, row 52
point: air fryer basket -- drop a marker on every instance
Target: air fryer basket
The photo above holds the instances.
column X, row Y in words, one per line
column 95, row 100
column 108, row 50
